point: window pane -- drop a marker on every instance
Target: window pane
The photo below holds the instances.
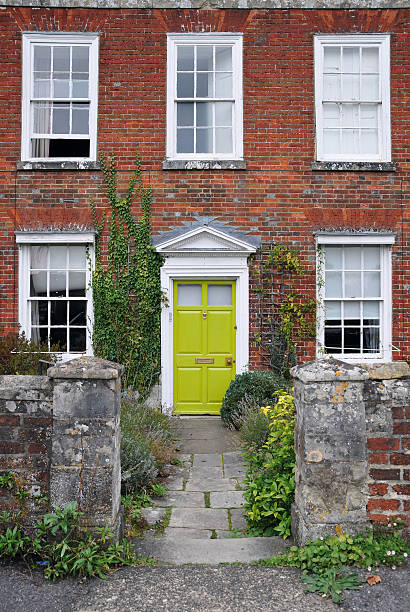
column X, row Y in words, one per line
column 185, row 113
column 331, row 115
column 370, row 59
column 333, row 258
column 331, row 87
column 205, row 58
column 185, row 85
column 370, row 87
column 204, row 140
column 371, row 258
column 204, row 115
column 42, row 58
column 80, row 119
column 61, row 85
column 350, row 115
column 369, row 142
column 61, row 59
column 350, row 140
column 58, row 312
column 331, row 141
column 78, row 313
column 353, row 259
column 42, row 117
column 204, row 85
column 61, row 118
column 38, row 284
column 189, row 295
column 39, row 312
column 77, row 340
column 76, row 284
column 352, row 340
column 333, row 284
column 58, row 257
column 350, row 87
column 223, row 85
column 223, row 113
column 80, row 59
column 333, row 339
column 371, row 340
column 371, row 313
column 57, row 284
column 351, row 313
column 219, row 295
column 371, row 282
column 39, row 257
column 368, row 115
column 185, row 58
column 185, row 140
column 223, row 140
column 80, row 87
column 331, row 58
column 42, row 84
column 77, row 257
column 351, row 59
column 353, row 286
column 59, row 336
column 223, row 58
column 333, row 311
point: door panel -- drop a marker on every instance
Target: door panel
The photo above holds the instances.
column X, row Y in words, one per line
column 204, row 344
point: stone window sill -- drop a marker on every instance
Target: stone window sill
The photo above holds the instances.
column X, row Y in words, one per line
column 58, row 165
column 203, row 164
column 340, row 166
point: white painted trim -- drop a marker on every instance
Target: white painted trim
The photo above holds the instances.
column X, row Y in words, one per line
column 373, row 238
column 56, row 38
column 235, row 41
column 203, row 267
column 175, row 245
column 385, row 241
column 381, row 40
column 54, row 238
column 24, row 276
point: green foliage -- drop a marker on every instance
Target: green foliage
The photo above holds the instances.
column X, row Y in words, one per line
column 377, row 547
column 259, row 385
column 332, row 583
column 146, row 444
column 270, row 476
column 253, row 424
column 158, row 489
column 285, row 316
column 19, row 355
column 126, row 283
column 61, row 547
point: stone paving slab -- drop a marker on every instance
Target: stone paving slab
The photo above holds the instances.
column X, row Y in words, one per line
column 199, row 518
column 225, row 550
column 207, row 460
column 233, row 459
column 181, row 499
column 211, row 484
column 227, row 499
column 206, row 472
column 235, row 471
column 237, row 518
column 153, row 515
column 174, row 483
column 185, row 532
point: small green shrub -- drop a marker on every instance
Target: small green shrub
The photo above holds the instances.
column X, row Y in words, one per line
column 332, row 583
column 253, row 424
column 19, row 355
column 147, row 444
column 260, row 385
column 270, row 477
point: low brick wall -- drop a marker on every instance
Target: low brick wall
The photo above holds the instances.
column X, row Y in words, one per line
column 60, row 434
column 25, row 436
column 387, row 404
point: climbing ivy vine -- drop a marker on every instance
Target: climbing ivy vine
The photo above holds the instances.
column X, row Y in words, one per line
column 126, row 281
column 283, row 315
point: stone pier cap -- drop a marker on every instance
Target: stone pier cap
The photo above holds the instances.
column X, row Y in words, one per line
column 328, row 370
column 86, row 368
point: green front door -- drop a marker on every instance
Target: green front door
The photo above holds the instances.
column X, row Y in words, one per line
column 204, row 344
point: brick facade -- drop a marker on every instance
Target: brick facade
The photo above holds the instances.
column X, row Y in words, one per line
column 278, row 197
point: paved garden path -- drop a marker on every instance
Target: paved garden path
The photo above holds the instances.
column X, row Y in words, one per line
column 203, row 506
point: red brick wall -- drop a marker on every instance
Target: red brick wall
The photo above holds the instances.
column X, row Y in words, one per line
column 389, row 471
column 277, row 197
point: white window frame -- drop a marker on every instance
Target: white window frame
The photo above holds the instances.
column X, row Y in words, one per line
column 383, row 42
column 24, row 241
column 58, row 38
column 385, row 242
column 233, row 40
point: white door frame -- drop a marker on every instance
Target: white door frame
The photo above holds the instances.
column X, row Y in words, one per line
column 231, row 267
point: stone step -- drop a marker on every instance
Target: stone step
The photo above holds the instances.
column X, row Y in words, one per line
column 179, row 550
